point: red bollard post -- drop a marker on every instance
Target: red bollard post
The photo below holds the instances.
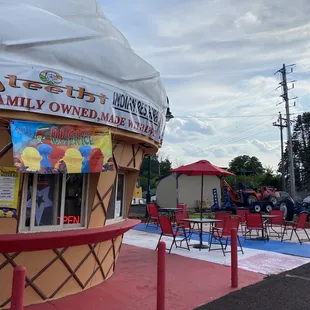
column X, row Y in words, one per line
column 234, row 258
column 161, row 275
column 18, row 288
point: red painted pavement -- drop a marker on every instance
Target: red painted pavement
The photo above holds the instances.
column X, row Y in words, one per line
column 189, row 282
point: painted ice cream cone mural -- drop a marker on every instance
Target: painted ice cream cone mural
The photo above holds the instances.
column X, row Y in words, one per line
column 31, row 158
column 48, row 148
column 85, row 152
column 95, row 160
column 7, row 213
column 73, row 160
column 55, row 156
column 45, row 151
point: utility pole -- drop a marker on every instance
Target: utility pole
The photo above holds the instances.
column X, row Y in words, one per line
column 286, row 99
column 281, row 126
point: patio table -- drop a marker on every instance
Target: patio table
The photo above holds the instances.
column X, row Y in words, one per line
column 269, row 216
column 200, row 245
column 266, row 217
column 170, row 209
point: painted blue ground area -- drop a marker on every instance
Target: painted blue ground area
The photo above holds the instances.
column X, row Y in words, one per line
column 290, row 248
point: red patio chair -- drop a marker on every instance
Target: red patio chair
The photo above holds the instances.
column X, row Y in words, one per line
column 153, row 214
column 225, row 233
column 220, row 216
column 276, row 222
column 242, row 215
column 182, row 207
column 187, row 226
column 167, row 230
column 296, row 226
column 254, row 221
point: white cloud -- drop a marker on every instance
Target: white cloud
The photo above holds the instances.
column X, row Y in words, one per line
column 179, row 130
column 218, row 59
column 262, row 146
column 248, row 19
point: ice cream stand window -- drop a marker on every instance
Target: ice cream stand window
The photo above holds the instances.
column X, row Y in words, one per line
column 117, row 201
column 60, row 202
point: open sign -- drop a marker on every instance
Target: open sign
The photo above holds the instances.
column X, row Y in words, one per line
column 71, row 219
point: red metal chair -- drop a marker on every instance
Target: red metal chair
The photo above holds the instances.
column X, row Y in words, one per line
column 242, row 215
column 220, row 216
column 254, row 221
column 153, row 214
column 225, row 233
column 296, row 226
column 276, row 222
column 182, row 207
column 167, row 230
column 187, row 226
column 179, row 217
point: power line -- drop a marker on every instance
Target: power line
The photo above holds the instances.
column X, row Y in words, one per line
column 236, row 111
column 229, row 116
column 225, row 117
column 302, row 62
column 238, row 96
column 233, row 141
column 240, row 123
column 247, row 105
column 242, row 135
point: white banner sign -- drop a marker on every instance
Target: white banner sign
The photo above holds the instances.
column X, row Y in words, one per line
column 38, row 90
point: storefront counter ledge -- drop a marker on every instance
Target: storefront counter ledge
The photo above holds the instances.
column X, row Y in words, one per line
column 62, row 263
column 50, row 240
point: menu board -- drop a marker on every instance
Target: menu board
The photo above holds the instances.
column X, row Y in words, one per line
column 9, row 186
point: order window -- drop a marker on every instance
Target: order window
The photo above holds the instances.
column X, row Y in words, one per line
column 117, row 202
column 54, row 202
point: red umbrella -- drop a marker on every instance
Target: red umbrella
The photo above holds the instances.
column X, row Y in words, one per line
column 201, row 167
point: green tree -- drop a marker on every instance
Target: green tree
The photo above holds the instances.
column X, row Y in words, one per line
column 246, row 163
column 301, row 153
column 257, row 180
column 159, row 167
column 261, row 175
column 269, row 178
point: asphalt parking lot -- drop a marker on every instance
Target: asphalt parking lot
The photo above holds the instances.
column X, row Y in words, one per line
column 288, row 290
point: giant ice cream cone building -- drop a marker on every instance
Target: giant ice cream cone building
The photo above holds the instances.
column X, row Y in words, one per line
column 78, row 111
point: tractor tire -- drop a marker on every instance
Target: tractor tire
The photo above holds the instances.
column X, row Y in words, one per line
column 268, row 208
column 288, row 208
column 257, row 208
column 251, row 199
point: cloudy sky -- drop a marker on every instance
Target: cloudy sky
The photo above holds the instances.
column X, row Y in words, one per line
column 217, row 59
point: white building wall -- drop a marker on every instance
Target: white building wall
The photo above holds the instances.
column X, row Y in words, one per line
column 166, row 196
column 189, row 190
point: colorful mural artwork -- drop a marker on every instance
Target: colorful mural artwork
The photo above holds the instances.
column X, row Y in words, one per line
column 9, row 186
column 47, row 148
